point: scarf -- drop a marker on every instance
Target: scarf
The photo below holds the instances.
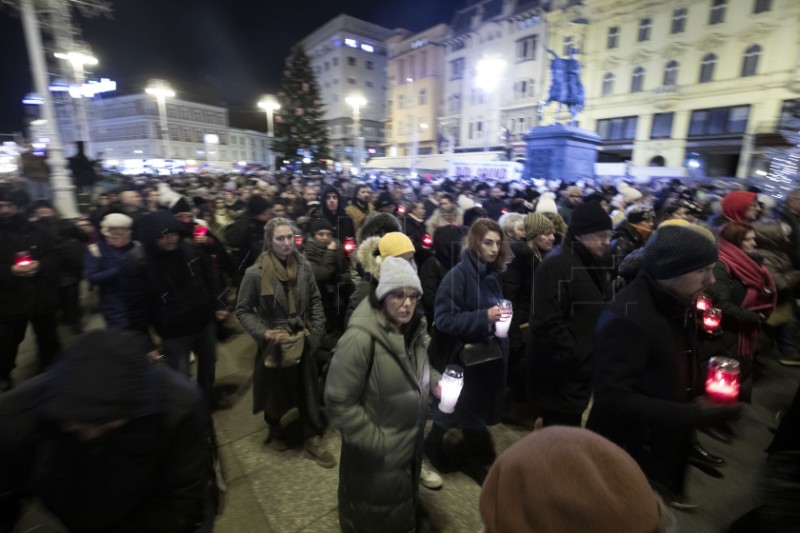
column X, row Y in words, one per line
column 760, row 294
column 274, row 272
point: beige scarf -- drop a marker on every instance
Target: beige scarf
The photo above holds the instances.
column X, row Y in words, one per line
column 273, row 272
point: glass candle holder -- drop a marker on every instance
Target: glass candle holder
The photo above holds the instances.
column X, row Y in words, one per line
column 23, row 258
column 723, row 380
column 506, row 312
column 712, row 318
column 199, row 230
column 704, row 302
column 452, row 383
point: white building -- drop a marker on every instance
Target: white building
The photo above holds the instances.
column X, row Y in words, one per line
column 348, row 58
column 249, row 147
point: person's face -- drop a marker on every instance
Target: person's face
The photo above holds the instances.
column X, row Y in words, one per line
column 309, row 194
column 597, row 243
column 153, row 197
column 683, row 214
column 279, row 211
column 497, row 192
column 186, row 218
column 103, row 201
column 544, row 242
column 245, row 194
column 575, row 198
column 169, row 242
column 399, row 305
column 219, row 204
column 689, row 286
column 332, row 202
column 647, row 223
column 263, row 217
column 419, row 210
column 118, row 237
column 131, row 199
column 7, row 210
column 749, row 242
column 323, row 237
column 445, row 205
column 228, row 197
column 753, row 210
column 363, row 195
column 489, row 246
column 44, row 213
column 283, row 241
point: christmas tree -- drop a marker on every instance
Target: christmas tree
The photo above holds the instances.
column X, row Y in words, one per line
column 300, row 131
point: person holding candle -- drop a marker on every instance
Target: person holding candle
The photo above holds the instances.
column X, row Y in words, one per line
column 377, row 393
column 646, row 373
column 745, row 292
column 466, row 312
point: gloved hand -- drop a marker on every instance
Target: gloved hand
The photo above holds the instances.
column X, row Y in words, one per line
column 713, row 414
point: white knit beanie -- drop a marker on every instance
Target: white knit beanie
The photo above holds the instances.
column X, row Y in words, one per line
column 396, row 273
column 546, row 204
column 115, row 220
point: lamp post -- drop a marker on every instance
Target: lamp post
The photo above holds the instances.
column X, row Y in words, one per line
column 357, row 101
column 80, row 60
column 269, row 104
column 489, row 70
column 161, row 90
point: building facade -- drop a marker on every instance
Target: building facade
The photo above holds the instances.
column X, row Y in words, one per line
column 349, row 58
column 249, row 147
column 695, row 83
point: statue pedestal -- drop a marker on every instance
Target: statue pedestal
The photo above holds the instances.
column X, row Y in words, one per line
column 560, row 152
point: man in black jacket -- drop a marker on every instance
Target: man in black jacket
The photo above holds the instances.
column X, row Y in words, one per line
column 334, row 212
column 570, row 289
column 28, row 287
column 107, row 441
column 646, row 372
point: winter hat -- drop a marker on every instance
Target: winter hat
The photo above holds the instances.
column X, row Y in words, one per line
column 103, row 375
column 115, row 220
column 636, row 214
column 395, row 244
column 256, row 205
column 629, row 194
column 377, row 224
column 564, row 479
column 546, row 204
column 677, row 249
column 536, row 224
column 396, row 273
column 385, row 199
column 735, row 204
column 319, row 224
column 589, row 218
column 181, row 206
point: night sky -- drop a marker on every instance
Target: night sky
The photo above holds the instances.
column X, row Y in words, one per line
column 226, row 52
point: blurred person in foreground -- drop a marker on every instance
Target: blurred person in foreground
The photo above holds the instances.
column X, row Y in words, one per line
column 565, row 480
column 646, row 371
column 378, row 390
column 107, row 441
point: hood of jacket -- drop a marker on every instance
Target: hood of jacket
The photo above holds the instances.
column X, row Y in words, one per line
column 369, row 257
column 447, row 242
column 378, row 224
column 326, row 190
column 153, row 226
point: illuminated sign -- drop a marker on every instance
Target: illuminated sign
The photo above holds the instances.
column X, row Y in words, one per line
column 351, row 43
column 88, row 89
column 367, row 48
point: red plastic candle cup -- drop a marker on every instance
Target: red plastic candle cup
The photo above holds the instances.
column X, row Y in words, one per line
column 200, row 230
column 349, row 245
column 23, row 258
column 703, row 302
column 298, row 240
column 712, row 318
column 427, row 241
column 723, row 380
column 401, row 210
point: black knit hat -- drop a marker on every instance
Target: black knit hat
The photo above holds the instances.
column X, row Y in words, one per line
column 319, row 224
column 181, row 206
column 257, row 205
column 589, row 218
column 675, row 250
column 385, row 199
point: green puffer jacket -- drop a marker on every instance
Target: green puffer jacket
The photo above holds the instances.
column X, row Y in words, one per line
column 377, row 393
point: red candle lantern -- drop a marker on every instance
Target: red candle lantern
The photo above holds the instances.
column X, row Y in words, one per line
column 298, row 240
column 723, row 380
column 427, row 241
column 401, row 210
column 712, row 318
column 704, row 302
column 23, row 258
column 349, row 245
column 199, row 230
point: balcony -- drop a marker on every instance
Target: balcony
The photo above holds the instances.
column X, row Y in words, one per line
column 665, row 96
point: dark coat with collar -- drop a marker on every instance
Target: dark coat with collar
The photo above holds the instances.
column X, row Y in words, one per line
column 645, row 376
column 569, row 293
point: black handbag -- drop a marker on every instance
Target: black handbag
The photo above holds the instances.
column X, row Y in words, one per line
column 475, row 353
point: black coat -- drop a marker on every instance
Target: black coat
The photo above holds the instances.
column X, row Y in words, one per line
column 569, row 293
column 645, row 375
column 415, row 230
column 624, row 240
column 518, row 287
column 495, row 207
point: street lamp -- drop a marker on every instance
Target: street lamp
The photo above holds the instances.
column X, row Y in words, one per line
column 79, row 60
column 162, row 90
column 357, row 101
column 489, row 72
column 269, row 104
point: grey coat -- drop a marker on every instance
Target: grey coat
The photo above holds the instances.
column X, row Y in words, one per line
column 377, row 394
column 259, row 313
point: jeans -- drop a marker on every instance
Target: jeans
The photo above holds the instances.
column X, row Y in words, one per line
column 204, row 345
column 39, row 190
column 12, row 333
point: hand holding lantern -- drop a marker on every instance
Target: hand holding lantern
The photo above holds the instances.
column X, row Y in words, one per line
column 723, row 380
column 712, row 318
column 506, row 312
column 452, row 382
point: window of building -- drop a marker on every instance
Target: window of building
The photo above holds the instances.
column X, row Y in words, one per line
column 336, row 81
column 662, row 126
column 762, row 5
column 671, row 74
column 750, row 61
column 456, row 46
column 617, row 129
column 608, row 84
column 644, row 29
column 351, row 61
column 479, row 130
column 368, row 83
column 369, row 65
column 567, row 45
column 457, row 69
column 637, row 80
column 423, row 97
column 707, row 67
column 471, row 129
column 717, row 13
column 526, row 48
column 352, row 43
column 401, row 67
column 679, row 20
column 335, row 61
column 367, row 47
column 613, row 37
column 351, row 81
column 719, row 121
column 401, row 101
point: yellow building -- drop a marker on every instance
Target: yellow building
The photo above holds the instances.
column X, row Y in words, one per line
column 414, row 92
column 697, row 83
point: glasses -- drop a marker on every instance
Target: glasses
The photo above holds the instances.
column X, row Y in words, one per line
column 400, row 297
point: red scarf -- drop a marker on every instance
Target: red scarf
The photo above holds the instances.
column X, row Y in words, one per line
column 760, row 295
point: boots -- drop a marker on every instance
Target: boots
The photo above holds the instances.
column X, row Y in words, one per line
column 480, row 454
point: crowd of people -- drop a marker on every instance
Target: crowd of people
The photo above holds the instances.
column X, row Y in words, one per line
column 359, row 296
